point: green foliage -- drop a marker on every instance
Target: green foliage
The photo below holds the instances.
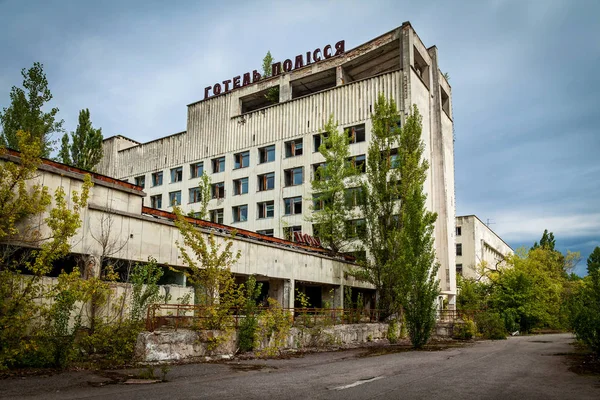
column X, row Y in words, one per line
column 392, row 332
column 114, row 343
column 465, row 330
column 547, row 242
column 25, row 113
column 329, row 189
column 381, row 190
column 249, row 325
column 585, row 307
column 417, row 288
column 490, row 325
column 145, row 291
column 471, row 294
column 273, row 329
column 273, row 93
column 209, row 271
column 85, row 150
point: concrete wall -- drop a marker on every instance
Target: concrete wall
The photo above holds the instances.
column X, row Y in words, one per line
column 479, row 243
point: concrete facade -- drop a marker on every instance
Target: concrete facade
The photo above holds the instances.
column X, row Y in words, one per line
column 115, row 215
column 235, row 126
column 477, row 243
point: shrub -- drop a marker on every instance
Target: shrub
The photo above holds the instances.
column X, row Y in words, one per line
column 490, row 325
column 465, row 330
column 392, row 333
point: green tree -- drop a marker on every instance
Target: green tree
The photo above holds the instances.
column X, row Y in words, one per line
column 25, row 112
column 380, row 190
column 145, row 291
column 585, row 310
column 546, row 242
column 85, row 150
column 330, row 208
column 209, row 271
column 417, row 287
column 273, row 93
column 204, row 186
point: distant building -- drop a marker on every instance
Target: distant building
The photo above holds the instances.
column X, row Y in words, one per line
column 258, row 138
column 476, row 242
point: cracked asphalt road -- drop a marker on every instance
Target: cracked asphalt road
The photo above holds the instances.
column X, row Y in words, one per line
column 527, row 367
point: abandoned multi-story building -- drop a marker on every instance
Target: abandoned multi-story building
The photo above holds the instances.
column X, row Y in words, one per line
column 257, row 138
column 476, row 243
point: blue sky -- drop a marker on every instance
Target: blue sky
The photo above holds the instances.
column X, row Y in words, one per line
column 525, row 87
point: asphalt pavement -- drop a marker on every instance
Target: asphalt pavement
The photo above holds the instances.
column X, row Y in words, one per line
column 526, row 367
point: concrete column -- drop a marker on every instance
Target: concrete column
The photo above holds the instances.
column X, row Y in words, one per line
column 340, row 76
column 338, row 297
column 285, row 88
column 288, row 293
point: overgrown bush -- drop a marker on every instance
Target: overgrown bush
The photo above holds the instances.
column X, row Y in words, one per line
column 465, row 330
column 392, row 332
column 249, row 325
column 273, row 329
column 113, row 343
column 490, row 325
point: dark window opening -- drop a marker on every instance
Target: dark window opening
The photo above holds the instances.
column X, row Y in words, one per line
column 293, row 205
column 266, row 209
column 195, row 196
column 216, row 216
column 318, row 139
column 356, row 228
column 353, row 196
column 266, row 181
column 176, row 174
column 445, row 101
column 156, row 201
column 157, row 178
column 294, row 176
column 196, row 170
column 259, row 100
column 240, row 213
column 356, row 134
column 218, row 164
column 459, row 249
column 141, row 181
column 459, row 269
column 288, row 232
column 218, row 190
column 266, row 232
column 293, row 148
column 359, row 162
column 318, row 173
column 313, row 83
column 240, row 186
column 421, row 67
column 458, row 230
column 266, row 154
column 241, row 160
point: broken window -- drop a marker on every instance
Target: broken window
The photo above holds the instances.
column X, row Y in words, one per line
column 359, row 162
column 318, row 174
column 459, row 269
column 241, row 160
column 266, row 181
column 356, row 133
column 216, row 216
column 353, row 196
column 318, row 139
column 266, row 209
column 240, row 186
column 459, row 249
column 240, row 213
column 258, row 100
column 458, row 231
column 175, row 198
column 266, row 232
column 288, row 232
column 218, row 164
column 445, row 101
column 176, row 174
column 157, row 178
column 294, row 176
column 140, row 181
column 356, row 228
column 421, row 67
column 293, row 205
column 195, row 196
column 156, row 201
column 266, row 154
column 293, row 148
column 218, row 190
column 196, row 170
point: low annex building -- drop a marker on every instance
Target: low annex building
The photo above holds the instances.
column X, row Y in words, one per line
column 116, row 216
column 477, row 243
column 261, row 152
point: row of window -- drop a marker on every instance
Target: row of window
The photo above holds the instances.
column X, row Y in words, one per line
column 266, row 154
